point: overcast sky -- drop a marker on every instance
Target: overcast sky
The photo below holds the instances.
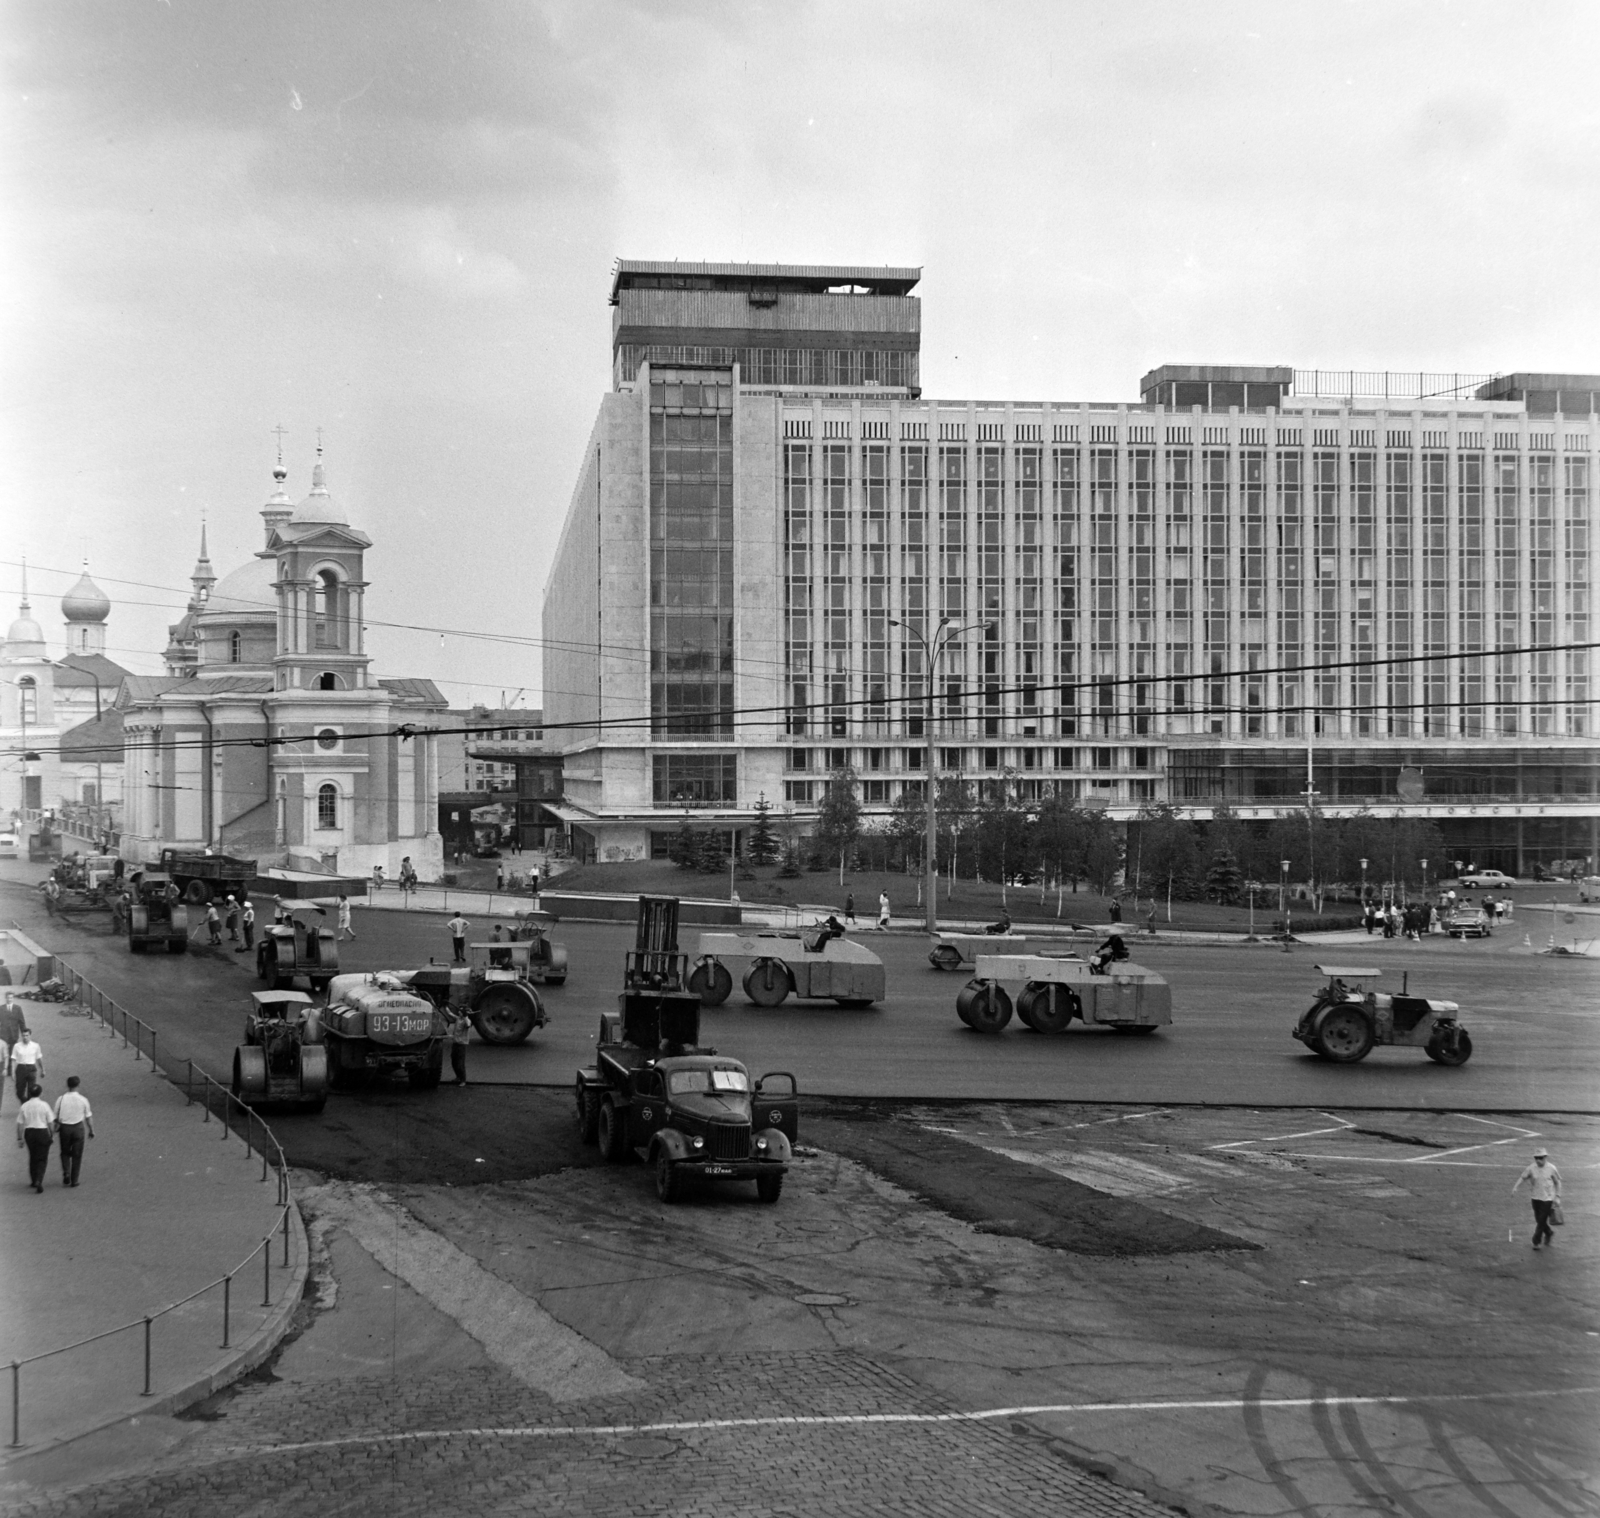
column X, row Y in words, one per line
column 396, row 221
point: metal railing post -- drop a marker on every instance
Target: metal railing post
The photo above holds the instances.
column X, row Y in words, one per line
column 227, row 1307
column 147, row 1321
column 249, row 1123
column 285, row 1238
column 263, row 1164
column 137, row 1025
column 206, row 1089
column 154, row 1070
column 16, row 1403
column 266, row 1273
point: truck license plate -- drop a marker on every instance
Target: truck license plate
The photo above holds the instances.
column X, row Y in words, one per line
column 719, row 1169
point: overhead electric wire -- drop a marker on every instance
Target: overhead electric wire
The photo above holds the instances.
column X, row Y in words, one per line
column 917, row 704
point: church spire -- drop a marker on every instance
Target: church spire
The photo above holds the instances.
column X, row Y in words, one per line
column 204, row 576
column 279, row 507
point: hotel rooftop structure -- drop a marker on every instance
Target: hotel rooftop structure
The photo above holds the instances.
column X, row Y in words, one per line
column 1191, row 597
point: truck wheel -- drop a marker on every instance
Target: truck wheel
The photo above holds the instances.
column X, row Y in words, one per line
column 612, row 1132
column 266, row 964
column 667, row 1178
column 197, row 893
column 588, row 1115
column 769, row 1187
column 1046, row 1008
column 945, row 958
column 983, row 1006
column 506, row 1013
column 1344, row 1035
column 766, row 982
column 712, row 983
column 1443, row 1053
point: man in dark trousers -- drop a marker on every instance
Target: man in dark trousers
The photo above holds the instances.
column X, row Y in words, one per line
column 460, row 1037
column 458, row 926
column 74, row 1123
column 33, row 1130
column 850, row 908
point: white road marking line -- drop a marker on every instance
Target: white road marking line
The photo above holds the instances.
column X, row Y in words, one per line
column 1445, row 1154
column 1526, row 1133
column 1283, row 1138
column 1112, row 1173
column 848, row 1420
column 514, row 1330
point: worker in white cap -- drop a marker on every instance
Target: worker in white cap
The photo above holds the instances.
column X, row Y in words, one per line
column 1545, row 1180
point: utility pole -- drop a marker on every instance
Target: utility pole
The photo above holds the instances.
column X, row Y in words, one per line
column 943, row 636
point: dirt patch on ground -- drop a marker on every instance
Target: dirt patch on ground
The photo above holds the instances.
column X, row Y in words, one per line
column 1004, row 1196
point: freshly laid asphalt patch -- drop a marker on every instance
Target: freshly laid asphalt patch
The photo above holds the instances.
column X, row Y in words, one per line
column 1000, row 1195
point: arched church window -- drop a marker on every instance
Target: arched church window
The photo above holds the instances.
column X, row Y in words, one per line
column 327, row 680
column 28, row 699
column 328, row 598
column 235, row 648
column 327, row 806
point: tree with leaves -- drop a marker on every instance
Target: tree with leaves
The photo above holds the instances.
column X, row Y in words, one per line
column 838, row 823
column 908, row 825
column 761, row 846
column 1163, row 842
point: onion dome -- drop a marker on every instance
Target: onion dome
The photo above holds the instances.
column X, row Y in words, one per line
column 25, row 629
column 85, row 602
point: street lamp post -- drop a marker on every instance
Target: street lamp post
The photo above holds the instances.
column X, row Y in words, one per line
column 943, row 636
column 1363, row 882
column 1283, row 886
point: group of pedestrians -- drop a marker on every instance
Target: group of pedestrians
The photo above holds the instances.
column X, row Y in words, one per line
column 1395, row 921
column 883, row 911
column 39, row 1125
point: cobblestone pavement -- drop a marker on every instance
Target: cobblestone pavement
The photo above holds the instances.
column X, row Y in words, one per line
column 278, row 1450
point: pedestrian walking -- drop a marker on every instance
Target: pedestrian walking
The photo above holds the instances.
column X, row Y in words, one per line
column 214, row 923
column 499, row 876
column 247, row 924
column 233, row 920
column 344, row 919
column 460, row 1037
column 458, row 937
column 850, row 909
column 883, row 911
column 1116, row 909
column 33, row 1132
column 27, row 1063
column 74, row 1124
column 1545, row 1181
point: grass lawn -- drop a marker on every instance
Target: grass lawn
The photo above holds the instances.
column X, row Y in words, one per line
column 971, row 900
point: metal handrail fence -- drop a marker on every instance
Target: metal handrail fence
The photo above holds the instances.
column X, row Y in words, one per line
column 229, row 1109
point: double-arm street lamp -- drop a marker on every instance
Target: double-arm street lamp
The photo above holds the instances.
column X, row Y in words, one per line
column 943, row 636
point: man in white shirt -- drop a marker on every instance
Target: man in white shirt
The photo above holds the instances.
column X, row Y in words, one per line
column 1545, row 1181
column 33, row 1129
column 74, row 1123
column 458, row 937
column 27, row 1063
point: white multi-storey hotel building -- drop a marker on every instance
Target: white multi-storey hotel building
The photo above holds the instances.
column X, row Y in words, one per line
column 1246, row 576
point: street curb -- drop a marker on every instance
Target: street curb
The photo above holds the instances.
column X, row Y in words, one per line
column 240, row 1361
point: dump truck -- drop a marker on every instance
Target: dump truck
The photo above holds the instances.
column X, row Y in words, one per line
column 200, row 876
column 812, row 965
column 156, row 915
column 283, row 1061
column 494, row 988
column 691, row 1113
column 1350, row 1018
column 1050, row 993
column 374, row 1026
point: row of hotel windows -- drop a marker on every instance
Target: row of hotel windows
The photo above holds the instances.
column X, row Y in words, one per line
column 1146, row 435
column 691, row 780
column 887, row 792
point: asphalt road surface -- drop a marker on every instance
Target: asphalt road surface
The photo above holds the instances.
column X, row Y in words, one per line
column 1534, row 1020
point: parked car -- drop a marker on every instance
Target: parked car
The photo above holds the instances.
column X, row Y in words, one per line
column 1467, row 921
column 8, row 845
column 1589, row 888
column 1479, row 880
